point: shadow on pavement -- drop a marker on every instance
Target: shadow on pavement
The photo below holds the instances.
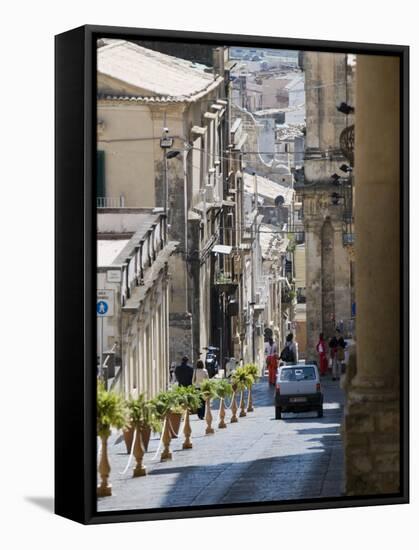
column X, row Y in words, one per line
column 291, row 477
column 321, row 431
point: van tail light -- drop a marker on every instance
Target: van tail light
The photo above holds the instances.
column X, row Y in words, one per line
column 318, row 387
column 277, row 388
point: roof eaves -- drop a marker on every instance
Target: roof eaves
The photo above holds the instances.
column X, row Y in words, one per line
column 163, row 99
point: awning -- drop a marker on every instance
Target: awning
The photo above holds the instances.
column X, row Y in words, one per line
column 222, row 249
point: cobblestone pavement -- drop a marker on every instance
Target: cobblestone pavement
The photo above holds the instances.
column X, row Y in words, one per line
column 258, row 459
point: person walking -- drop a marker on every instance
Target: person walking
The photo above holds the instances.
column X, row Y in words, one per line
column 200, row 374
column 337, row 347
column 340, row 357
column 184, row 373
column 271, row 351
column 290, row 352
column 322, row 351
column 172, row 376
column 333, row 344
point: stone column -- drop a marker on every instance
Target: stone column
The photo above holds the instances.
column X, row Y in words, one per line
column 372, row 409
column 141, row 360
column 342, row 279
column 154, row 341
column 165, row 328
column 328, row 279
column 313, row 287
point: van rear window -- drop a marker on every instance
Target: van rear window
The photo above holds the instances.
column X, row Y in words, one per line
column 298, row 373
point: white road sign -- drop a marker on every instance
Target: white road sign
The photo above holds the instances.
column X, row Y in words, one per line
column 104, row 303
column 113, row 276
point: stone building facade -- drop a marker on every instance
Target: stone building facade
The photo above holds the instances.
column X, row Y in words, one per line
column 142, row 93
column 132, row 269
column 329, row 259
column 145, row 96
column 328, row 266
column 267, row 306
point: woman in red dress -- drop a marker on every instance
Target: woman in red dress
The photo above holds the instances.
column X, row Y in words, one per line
column 271, row 361
column 322, row 351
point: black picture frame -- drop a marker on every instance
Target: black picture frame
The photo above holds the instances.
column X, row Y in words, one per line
column 75, row 275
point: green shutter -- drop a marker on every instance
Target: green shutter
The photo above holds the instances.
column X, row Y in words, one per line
column 100, row 174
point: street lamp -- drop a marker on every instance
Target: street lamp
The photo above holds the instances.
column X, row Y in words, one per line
column 335, row 179
column 345, row 168
column 172, row 154
column 345, row 108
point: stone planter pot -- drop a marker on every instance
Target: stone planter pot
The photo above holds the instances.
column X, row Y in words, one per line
column 174, row 423
column 129, row 436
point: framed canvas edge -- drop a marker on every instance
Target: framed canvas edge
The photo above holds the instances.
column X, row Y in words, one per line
column 241, row 39
column 404, row 268
column 69, row 384
column 86, row 512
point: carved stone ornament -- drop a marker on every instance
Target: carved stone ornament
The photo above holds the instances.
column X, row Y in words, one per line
column 347, row 143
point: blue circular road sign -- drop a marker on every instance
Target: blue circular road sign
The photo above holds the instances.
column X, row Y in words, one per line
column 101, row 307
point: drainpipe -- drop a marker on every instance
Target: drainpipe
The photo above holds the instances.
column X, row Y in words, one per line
column 165, row 189
column 253, row 292
column 141, row 261
column 153, row 238
column 254, row 261
column 185, row 206
column 256, row 192
column 121, row 351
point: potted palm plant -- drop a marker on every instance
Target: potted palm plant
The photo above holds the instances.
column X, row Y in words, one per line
column 110, row 412
column 223, row 390
column 241, row 379
column 253, row 370
column 168, row 409
column 142, row 419
column 207, row 391
column 162, row 403
column 176, row 411
column 189, row 399
column 139, row 407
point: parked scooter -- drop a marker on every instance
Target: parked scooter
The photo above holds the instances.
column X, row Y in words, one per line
column 211, row 361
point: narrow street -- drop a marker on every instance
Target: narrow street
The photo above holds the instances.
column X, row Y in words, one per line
column 258, row 459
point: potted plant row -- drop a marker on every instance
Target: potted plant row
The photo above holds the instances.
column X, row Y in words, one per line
column 139, row 417
column 241, row 379
column 171, row 406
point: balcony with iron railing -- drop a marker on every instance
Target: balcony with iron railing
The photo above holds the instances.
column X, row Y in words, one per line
column 225, row 283
column 110, row 202
column 225, row 280
column 145, row 250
